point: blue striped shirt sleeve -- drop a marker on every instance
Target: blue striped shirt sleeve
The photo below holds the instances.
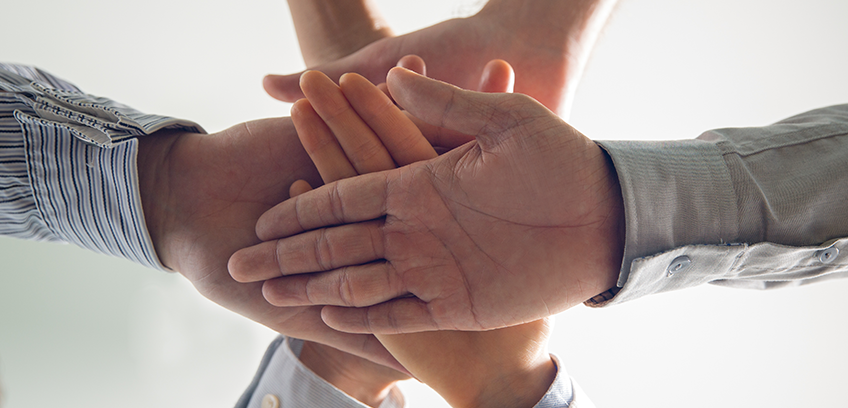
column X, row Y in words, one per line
column 68, row 165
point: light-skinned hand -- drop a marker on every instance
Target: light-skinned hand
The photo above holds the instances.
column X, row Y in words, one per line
column 354, row 128
column 522, row 223
column 202, row 196
column 548, row 43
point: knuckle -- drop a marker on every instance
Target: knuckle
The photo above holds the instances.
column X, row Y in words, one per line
column 323, row 251
column 347, row 294
column 336, row 204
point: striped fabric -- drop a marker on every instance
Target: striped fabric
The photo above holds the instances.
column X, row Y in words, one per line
column 68, row 165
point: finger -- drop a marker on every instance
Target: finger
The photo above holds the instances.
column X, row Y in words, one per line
column 397, row 133
column 405, row 315
column 498, row 76
column 299, row 187
column 447, row 106
column 413, row 63
column 284, row 88
column 353, row 286
column 357, row 199
column 362, row 147
column 385, row 90
column 320, row 250
column 373, row 62
column 320, row 143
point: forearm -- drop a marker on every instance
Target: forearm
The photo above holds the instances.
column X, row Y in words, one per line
column 503, row 367
column 74, row 157
column 776, row 193
column 567, row 29
column 330, row 29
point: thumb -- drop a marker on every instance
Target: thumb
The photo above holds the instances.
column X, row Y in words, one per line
column 372, row 62
column 285, row 88
column 487, row 116
column 498, row 76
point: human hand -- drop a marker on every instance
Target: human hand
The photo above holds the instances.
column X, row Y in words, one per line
column 522, row 223
column 547, row 42
column 202, row 196
column 353, row 128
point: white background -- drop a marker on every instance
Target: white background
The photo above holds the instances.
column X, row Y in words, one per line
column 82, row 330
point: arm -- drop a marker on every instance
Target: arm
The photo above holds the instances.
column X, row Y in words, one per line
column 328, row 30
column 774, row 192
column 547, row 41
column 148, row 188
column 459, row 216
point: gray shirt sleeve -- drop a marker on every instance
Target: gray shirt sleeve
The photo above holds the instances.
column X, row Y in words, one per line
column 745, row 207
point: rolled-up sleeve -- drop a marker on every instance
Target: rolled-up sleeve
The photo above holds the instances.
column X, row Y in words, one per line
column 68, row 165
column 744, row 207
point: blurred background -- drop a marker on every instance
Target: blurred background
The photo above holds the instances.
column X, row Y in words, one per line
column 84, row 330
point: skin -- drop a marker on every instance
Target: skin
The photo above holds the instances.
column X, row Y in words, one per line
column 355, row 128
column 522, row 223
column 547, row 41
column 197, row 219
column 329, row 29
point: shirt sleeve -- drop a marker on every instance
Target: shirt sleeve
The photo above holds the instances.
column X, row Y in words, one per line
column 283, row 381
column 68, row 165
column 744, row 207
column 564, row 392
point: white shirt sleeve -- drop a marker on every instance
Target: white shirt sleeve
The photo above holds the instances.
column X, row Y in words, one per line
column 68, row 165
column 283, row 381
column 744, row 207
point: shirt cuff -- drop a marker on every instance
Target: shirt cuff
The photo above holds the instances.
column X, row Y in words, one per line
column 288, row 382
column 561, row 393
column 78, row 177
column 676, row 193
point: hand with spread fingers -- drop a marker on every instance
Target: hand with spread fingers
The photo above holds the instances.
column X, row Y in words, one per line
column 521, row 223
column 355, row 129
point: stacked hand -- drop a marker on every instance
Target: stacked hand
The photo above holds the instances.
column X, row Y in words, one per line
column 202, row 196
column 522, row 223
column 353, row 129
column 547, row 42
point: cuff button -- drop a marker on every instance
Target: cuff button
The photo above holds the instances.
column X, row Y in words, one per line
column 679, row 264
column 828, row 255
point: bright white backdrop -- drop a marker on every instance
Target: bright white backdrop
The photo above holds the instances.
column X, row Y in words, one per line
column 81, row 330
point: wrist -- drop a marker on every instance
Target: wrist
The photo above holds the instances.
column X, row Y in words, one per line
column 521, row 388
column 328, row 30
column 361, row 379
column 561, row 33
column 154, row 152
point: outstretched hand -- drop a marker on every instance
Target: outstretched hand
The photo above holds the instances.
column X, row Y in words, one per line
column 522, row 223
column 202, row 196
column 546, row 42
